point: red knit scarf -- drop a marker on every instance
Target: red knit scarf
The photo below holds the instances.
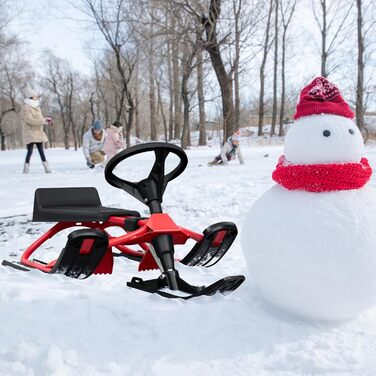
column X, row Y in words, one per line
column 322, row 177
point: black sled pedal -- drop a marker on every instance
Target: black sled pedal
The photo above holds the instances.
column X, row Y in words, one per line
column 83, row 252
column 213, row 246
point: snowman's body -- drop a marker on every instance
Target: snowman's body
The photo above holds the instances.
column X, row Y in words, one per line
column 314, row 253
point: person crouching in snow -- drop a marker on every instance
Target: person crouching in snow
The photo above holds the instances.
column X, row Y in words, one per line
column 32, row 128
column 229, row 151
column 92, row 144
column 114, row 140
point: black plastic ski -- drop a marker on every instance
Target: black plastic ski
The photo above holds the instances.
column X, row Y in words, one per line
column 155, row 286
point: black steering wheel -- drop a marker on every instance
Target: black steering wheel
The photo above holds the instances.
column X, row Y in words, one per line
column 152, row 188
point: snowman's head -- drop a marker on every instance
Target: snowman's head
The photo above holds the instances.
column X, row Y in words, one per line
column 323, row 139
column 323, row 131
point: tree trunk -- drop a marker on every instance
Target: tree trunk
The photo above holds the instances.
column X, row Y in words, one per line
column 185, row 135
column 160, row 106
column 324, row 32
column 283, row 90
column 224, row 79
column 262, row 72
column 237, row 13
column 201, row 98
column 91, row 101
column 275, row 77
column 2, row 140
column 360, row 108
column 2, row 133
column 176, row 83
column 137, row 110
column 171, row 93
column 153, row 120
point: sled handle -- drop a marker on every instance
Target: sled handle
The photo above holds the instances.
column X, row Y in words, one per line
column 150, row 190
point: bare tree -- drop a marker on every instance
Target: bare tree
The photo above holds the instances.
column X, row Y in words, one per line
column 160, row 108
column 275, row 68
column 189, row 53
column 171, row 92
column 200, row 95
column 331, row 19
column 14, row 74
column 137, row 96
column 151, row 68
column 266, row 47
column 364, row 7
column 109, row 17
column 176, row 81
column 287, row 10
column 57, row 81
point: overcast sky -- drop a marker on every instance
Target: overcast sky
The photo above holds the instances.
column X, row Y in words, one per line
column 54, row 25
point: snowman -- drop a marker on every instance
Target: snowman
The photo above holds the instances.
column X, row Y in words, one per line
column 310, row 240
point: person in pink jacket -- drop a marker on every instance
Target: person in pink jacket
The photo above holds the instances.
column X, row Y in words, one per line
column 114, row 140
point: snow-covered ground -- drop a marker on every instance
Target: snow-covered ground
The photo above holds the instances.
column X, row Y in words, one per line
column 52, row 325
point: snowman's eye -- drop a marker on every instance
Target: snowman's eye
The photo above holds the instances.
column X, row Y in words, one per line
column 326, row 133
column 351, row 131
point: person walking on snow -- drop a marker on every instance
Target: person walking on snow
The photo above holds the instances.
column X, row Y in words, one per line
column 229, row 151
column 32, row 128
column 114, row 140
column 92, row 144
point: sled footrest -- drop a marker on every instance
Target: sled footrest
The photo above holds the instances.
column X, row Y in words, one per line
column 213, row 246
column 157, row 286
column 82, row 254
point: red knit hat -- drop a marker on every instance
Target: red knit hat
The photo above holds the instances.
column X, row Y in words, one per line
column 322, row 97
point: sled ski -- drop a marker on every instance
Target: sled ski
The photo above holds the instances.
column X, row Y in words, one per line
column 156, row 286
column 213, row 246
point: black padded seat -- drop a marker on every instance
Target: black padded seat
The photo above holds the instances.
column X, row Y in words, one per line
column 73, row 205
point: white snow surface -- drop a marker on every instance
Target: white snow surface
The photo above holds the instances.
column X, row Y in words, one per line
column 52, row 325
column 306, row 142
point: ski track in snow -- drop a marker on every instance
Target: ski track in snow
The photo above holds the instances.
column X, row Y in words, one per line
column 52, row 325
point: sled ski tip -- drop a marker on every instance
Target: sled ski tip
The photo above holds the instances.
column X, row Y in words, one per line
column 15, row 265
column 83, row 253
column 217, row 240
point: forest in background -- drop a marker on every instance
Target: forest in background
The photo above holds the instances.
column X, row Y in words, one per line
column 158, row 66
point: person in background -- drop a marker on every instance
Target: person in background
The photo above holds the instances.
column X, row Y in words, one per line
column 230, row 150
column 32, row 128
column 92, row 144
column 114, row 140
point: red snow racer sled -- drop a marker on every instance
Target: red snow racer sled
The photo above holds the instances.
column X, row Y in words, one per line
column 91, row 250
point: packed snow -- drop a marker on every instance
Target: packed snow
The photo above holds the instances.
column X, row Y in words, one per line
column 52, row 325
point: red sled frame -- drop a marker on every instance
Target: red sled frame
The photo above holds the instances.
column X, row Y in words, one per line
column 157, row 224
column 90, row 250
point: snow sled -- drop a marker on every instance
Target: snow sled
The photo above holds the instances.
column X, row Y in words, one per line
column 91, row 250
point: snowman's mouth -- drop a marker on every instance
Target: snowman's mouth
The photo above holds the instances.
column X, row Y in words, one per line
column 322, row 177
